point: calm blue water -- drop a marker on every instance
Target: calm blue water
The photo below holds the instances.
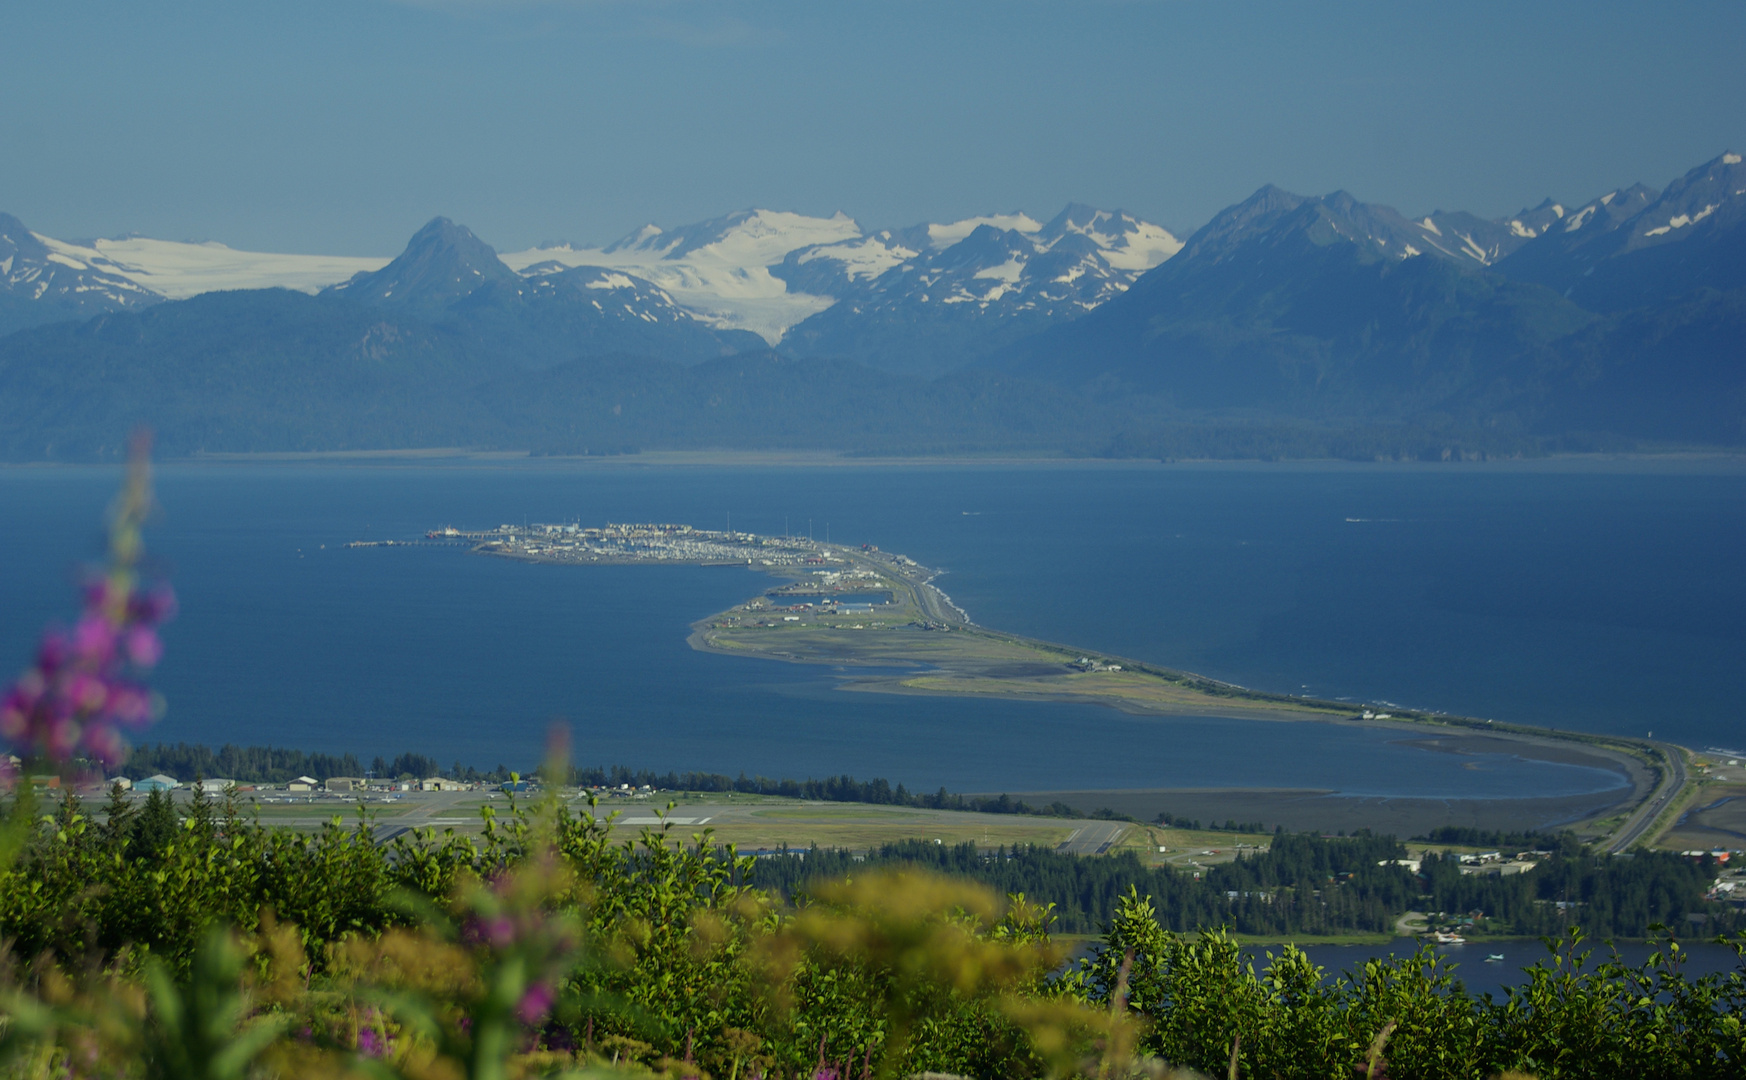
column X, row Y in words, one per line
column 1468, row 962
column 1608, row 601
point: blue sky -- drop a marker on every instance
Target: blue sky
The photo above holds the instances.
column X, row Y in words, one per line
column 341, row 126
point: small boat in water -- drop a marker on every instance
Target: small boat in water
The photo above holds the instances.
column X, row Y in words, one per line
column 1494, row 958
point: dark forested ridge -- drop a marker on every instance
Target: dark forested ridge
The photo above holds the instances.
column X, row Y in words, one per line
column 1288, row 326
column 1302, row 884
column 276, row 765
column 1310, row 885
column 1614, row 322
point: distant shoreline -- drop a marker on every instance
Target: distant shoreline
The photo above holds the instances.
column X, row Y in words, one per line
column 463, row 457
column 922, row 643
column 981, row 662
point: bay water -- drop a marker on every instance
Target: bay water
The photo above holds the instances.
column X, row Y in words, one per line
column 1605, row 596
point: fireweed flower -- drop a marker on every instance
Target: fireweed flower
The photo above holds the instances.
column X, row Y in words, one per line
column 536, row 1003
column 523, row 942
column 86, row 686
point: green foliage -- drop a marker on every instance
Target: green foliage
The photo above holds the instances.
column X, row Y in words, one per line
column 200, row 1028
column 1203, row 1002
column 1302, row 884
column 543, row 945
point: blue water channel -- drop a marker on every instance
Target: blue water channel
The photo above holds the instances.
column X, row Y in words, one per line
column 1590, row 598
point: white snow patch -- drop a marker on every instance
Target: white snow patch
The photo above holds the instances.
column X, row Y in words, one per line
column 767, row 235
column 1410, row 252
column 1131, row 244
column 1474, row 249
column 180, row 270
column 866, row 258
column 1430, row 226
column 1607, row 199
column 727, row 283
column 1008, row 271
column 1730, row 159
column 57, row 257
column 1521, row 230
column 612, row 281
column 1682, row 220
column 1142, row 248
column 1557, row 210
column 1582, row 215
column 941, row 236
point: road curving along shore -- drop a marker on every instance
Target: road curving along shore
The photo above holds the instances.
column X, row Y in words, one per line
column 860, row 607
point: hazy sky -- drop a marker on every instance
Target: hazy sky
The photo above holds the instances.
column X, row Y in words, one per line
column 342, row 126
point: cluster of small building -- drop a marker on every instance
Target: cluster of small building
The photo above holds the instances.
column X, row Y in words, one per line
column 1497, row 864
column 1086, row 663
column 1730, row 886
column 350, row 786
column 308, row 785
column 647, row 542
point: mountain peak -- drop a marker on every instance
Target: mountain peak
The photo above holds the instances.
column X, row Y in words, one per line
column 440, row 236
column 45, row 280
column 442, row 263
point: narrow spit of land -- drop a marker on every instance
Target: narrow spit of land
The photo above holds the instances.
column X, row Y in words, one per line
column 850, row 606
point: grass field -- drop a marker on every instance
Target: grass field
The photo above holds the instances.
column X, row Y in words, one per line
column 754, row 822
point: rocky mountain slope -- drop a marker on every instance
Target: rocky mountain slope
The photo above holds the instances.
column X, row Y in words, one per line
column 1619, row 316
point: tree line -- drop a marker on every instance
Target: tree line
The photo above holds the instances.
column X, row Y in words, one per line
column 1304, row 884
column 142, row 945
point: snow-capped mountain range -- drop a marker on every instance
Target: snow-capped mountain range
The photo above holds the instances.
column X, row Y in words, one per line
column 922, row 299
column 1615, row 319
column 719, row 270
column 767, row 271
column 758, row 270
column 40, row 283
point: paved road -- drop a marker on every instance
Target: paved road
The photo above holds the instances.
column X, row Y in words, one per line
column 925, row 598
column 1672, row 783
column 1093, row 839
column 439, row 805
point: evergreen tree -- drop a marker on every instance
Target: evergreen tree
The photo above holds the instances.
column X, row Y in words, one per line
column 155, row 826
column 119, row 819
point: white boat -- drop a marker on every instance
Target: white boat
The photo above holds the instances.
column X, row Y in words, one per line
column 1494, row 958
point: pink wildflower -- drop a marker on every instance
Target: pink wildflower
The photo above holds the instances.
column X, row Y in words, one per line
column 536, row 1003
column 78, row 692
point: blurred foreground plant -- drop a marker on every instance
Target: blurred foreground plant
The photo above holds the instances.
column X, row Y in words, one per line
column 931, row 954
column 84, row 687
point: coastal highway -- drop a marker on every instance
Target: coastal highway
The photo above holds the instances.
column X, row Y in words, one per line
column 928, row 600
column 1672, row 783
column 1093, row 839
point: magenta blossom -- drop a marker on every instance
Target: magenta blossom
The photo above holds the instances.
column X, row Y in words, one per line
column 372, row 1044
column 536, row 1003
column 84, row 688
